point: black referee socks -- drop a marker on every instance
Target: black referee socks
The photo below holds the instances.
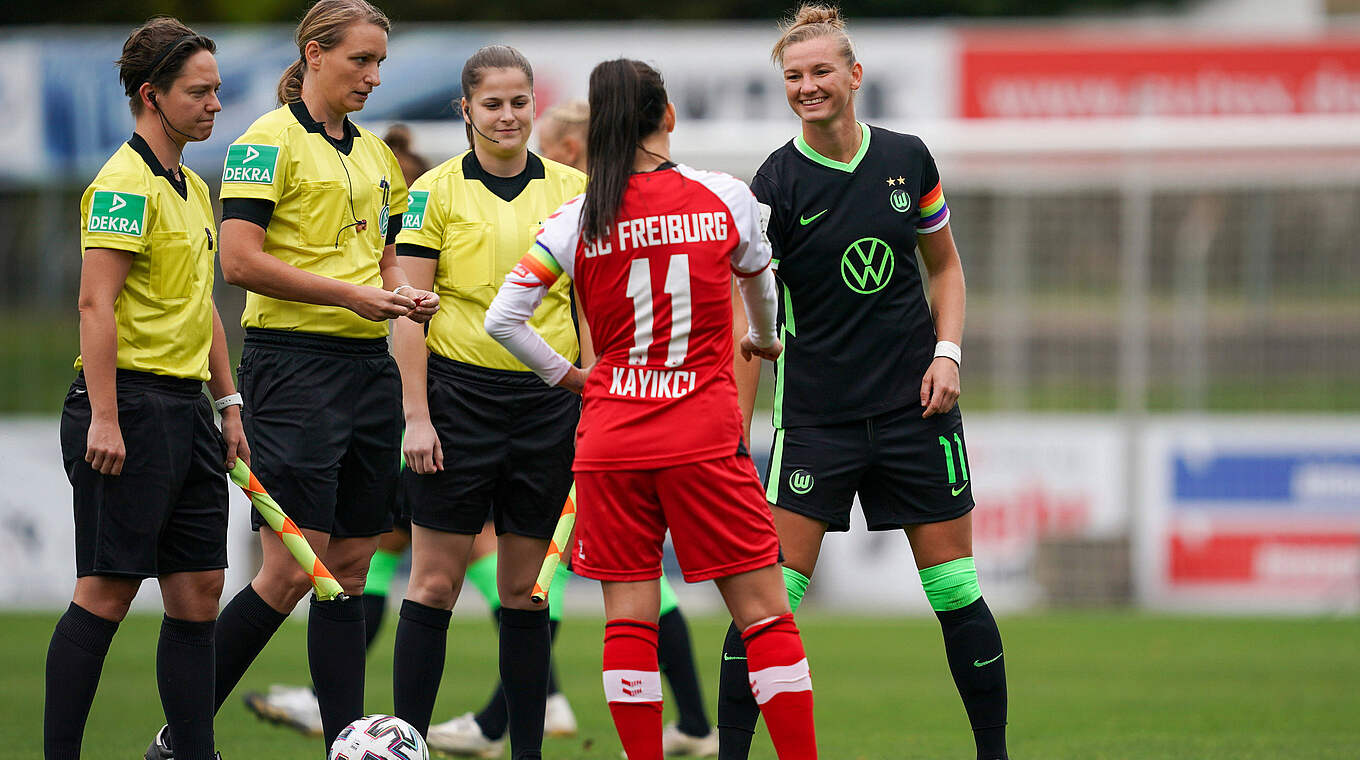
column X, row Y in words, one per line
column 184, row 673
column 972, row 643
column 418, row 662
column 244, row 626
column 495, row 717
column 526, row 650
column 335, row 653
column 75, row 658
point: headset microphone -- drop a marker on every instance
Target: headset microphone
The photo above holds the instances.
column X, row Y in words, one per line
column 468, row 117
column 165, row 121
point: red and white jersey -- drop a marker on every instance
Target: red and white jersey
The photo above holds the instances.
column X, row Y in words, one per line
column 656, row 292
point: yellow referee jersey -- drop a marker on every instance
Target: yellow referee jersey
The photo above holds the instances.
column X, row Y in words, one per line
column 331, row 203
column 164, row 312
column 479, row 226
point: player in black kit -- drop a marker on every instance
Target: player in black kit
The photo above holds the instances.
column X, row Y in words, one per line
column 866, row 389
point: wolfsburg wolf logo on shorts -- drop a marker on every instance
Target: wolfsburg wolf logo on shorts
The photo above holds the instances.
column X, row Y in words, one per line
column 120, row 213
column 254, row 164
column 800, row 481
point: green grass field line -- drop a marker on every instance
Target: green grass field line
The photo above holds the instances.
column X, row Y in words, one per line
column 1107, row 686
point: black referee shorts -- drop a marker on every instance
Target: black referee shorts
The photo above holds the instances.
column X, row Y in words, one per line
column 509, row 442
column 906, row 470
column 167, row 512
column 323, row 417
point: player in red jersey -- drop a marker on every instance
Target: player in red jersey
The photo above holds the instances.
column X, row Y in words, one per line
column 652, row 247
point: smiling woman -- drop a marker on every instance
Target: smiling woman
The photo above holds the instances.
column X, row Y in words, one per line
column 483, row 436
column 847, row 205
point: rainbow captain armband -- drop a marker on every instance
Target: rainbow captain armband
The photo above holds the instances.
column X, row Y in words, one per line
column 934, row 211
column 537, row 267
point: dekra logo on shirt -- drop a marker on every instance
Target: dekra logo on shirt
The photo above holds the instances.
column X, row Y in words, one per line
column 251, row 163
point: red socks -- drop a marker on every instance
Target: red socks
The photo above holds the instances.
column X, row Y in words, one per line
column 632, row 686
column 781, row 685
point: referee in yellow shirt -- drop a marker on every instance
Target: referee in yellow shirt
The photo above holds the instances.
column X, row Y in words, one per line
column 144, row 458
column 483, row 434
column 308, row 204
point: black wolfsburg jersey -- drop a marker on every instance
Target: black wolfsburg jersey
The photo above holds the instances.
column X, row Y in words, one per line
column 854, row 320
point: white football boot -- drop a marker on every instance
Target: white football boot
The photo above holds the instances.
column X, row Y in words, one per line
column 291, row 706
column 462, row 737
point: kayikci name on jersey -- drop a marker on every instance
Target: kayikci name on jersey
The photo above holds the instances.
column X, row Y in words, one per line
column 120, row 213
column 632, row 382
column 665, row 229
column 255, row 164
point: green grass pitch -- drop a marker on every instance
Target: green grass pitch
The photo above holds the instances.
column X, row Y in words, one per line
column 1087, row 686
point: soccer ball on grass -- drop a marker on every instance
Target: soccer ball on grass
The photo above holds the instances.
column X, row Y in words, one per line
column 379, row 737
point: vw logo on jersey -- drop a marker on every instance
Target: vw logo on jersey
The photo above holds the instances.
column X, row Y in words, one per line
column 901, row 200
column 867, row 265
column 800, row 481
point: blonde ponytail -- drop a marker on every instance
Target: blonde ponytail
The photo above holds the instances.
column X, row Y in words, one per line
column 290, row 84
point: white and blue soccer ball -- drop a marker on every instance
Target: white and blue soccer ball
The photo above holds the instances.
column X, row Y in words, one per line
column 379, row 737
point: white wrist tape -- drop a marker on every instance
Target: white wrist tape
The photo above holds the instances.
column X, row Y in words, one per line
column 231, row 399
column 949, row 350
column 399, row 288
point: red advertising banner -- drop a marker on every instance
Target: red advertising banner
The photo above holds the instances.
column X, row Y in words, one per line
column 1251, row 559
column 1084, row 75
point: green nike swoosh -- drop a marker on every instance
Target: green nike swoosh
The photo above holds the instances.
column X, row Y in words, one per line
column 959, row 490
column 727, row 657
column 978, row 664
column 806, row 220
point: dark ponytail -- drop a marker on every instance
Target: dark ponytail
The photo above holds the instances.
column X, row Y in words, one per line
column 627, row 104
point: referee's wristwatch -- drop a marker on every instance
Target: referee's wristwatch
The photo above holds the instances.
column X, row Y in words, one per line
column 231, row 399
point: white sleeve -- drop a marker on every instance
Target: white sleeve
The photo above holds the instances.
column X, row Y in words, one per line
column 751, row 254
column 507, row 320
column 552, row 255
column 762, row 309
column 560, row 233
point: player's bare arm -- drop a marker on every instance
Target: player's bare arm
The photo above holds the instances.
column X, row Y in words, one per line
column 940, row 387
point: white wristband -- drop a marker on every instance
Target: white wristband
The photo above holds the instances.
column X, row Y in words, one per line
column 398, row 288
column 231, row 399
column 949, row 350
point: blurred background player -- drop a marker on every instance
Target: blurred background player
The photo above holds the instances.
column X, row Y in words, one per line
column 562, row 137
column 660, row 443
column 881, row 420
column 483, row 436
column 295, row 706
column 138, row 441
column 311, row 204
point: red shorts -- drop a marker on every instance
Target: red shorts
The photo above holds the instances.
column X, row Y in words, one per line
column 720, row 523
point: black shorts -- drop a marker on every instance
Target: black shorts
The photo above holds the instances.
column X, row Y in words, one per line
column 508, row 441
column 323, row 417
column 167, row 512
column 906, row 470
